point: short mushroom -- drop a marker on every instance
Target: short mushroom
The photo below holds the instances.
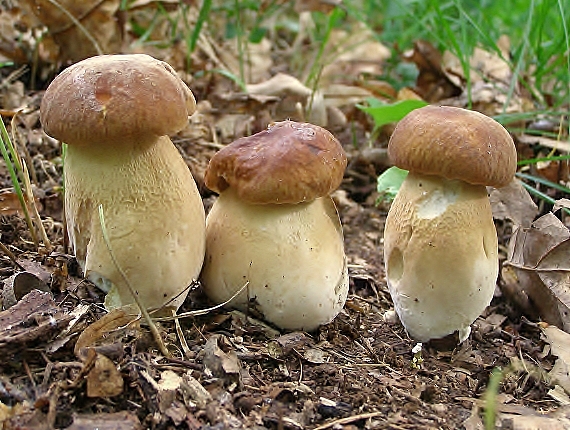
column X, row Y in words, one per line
column 115, row 113
column 440, row 242
column 275, row 227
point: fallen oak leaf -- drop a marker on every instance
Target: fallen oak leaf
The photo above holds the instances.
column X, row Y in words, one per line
column 537, row 266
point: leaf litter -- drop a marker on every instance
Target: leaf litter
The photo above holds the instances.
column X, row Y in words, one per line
column 66, row 363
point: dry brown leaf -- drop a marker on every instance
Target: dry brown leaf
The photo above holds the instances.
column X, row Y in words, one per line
column 538, row 268
column 352, row 55
column 101, row 32
column 559, row 342
column 513, row 202
column 324, row 6
column 100, row 329
column 20, row 284
column 292, row 96
column 221, row 364
column 10, row 205
column 533, row 422
column 104, row 380
column 489, row 76
column 432, row 83
column 561, row 203
column 485, row 66
column 256, row 60
column 123, row 420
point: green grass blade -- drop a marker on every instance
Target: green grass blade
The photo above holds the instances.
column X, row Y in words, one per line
column 543, row 181
column 5, row 144
column 202, row 17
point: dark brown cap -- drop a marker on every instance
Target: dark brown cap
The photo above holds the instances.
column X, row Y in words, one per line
column 289, row 162
column 108, row 98
column 454, row 143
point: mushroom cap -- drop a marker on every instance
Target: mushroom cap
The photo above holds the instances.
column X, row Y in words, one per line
column 454, row 143
column 289, row 162
column 108, row 98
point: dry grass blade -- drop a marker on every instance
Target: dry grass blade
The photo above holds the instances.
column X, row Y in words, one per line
column 204, row 311
column 13, row 164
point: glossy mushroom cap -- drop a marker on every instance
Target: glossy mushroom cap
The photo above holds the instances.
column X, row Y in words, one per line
column 289, row 162
column 454, row 143
column 108, row 98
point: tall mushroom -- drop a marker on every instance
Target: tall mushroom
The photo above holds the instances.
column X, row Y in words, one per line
column 115, row 113
column 440, row 242
column 275, row 227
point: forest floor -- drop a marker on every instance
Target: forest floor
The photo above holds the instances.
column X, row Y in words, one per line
column 228, row 369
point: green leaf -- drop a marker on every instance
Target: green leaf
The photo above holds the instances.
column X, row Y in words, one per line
column 383, row 114
column 389, row 182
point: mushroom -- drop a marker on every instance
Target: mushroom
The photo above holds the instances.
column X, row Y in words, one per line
column 440, row 242
column 275, row 227
column 114, row 112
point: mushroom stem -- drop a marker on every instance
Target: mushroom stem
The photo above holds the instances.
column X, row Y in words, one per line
column 292, row 255
column 440, row 249
column 154, row 243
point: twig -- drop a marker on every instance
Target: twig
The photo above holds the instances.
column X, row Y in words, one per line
column 11, row 256
column 348, row 420
column 180, row 333
column 203, row 311
column 143, row 310
column 29, row 197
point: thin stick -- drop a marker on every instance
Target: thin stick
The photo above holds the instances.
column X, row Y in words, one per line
column 29, row 197
column 348, row 420
column 144, row 312
column 11, row 256
column 203, row 311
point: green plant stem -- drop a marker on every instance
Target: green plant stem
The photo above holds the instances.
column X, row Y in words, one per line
column 202, row 17
column 543, row 181
column 542, row 196
column 6, row 147
column 491, row 398
column 239, row 36
column 316, row 67
column 538, row 160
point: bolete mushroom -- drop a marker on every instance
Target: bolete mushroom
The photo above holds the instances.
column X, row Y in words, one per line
column 440, row 242
column 275, row 226
column 115, row 113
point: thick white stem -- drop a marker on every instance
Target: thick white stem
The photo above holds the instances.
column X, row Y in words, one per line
column 292, row 255
column 440, row 251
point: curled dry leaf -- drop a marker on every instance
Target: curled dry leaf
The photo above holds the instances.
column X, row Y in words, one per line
column 100, row 331
column 20, row 284
column 537, row 270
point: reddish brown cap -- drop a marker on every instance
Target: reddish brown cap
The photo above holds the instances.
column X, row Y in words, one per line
column 289, row 162
column 454, row 143
column 107, row 98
